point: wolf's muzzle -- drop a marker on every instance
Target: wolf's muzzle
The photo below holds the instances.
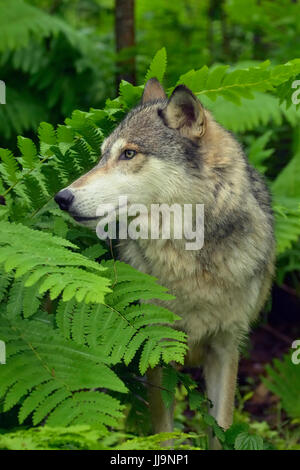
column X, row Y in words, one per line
column 64, row 199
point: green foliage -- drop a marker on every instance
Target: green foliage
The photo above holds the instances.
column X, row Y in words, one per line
column 180, row 441
column 239, row 83
column 52, row 373
column 64, row 367
column 20, row 21
column 121, row 327
column 250, row 114
column 158, row 66
column 274, row 21
column 283, row 379
column 286, row 192
column 52, row 367
column 55, row 267
column 35, row 47
column 238, row 436
column 83, row 437
column 287, row 222
column 245, row 441
column 257, row 152
column 80, row 437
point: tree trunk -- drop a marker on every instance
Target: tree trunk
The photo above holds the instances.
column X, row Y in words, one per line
column 125, row 40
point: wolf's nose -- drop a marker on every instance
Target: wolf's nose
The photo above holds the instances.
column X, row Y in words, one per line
column 64, row 199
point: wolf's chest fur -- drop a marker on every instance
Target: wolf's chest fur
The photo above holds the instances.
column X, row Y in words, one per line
column 217, row 289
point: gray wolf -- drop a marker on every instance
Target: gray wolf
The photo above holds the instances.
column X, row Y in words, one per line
column 173, row 151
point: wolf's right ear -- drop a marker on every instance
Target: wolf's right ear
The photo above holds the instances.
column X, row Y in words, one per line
column 153, row 91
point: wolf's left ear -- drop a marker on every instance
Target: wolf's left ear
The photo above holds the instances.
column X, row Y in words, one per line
column 185, row 113
column 153, row 91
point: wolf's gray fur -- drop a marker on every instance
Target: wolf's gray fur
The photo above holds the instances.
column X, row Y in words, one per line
column 184, row 156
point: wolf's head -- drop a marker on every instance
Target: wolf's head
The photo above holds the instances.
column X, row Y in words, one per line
column 151, row 157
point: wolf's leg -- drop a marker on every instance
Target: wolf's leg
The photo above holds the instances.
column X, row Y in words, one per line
column 161, row 417
column 220, row 372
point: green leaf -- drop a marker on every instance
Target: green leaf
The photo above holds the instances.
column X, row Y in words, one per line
column 245, row 441
column 169, row 383
column 130, row 94
column 29, row 153
column 158, row 66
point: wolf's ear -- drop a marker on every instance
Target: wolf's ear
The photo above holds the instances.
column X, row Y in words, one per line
column 185, row 113
column 153, row 91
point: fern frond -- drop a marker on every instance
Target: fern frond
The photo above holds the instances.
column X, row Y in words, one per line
column 258, row 154
column 82, row 123
column 57, row 371
column 169, row 383
column 286, row 192
column 248, row 114
column 122, row 328
column 94, row 251
column 31, row 300
column 16, row 292
column 29, row 153
column 20, row 22
column 34, row 189
column 58, row 269
column 158, row 65
column 87, row 407
column 9, row 167
column 130, row 94
column 47, row 137
column 22, row 112
column 239, row 83
column 284, row 380
column 65, row 137
column 287, row 222
column 4, row 283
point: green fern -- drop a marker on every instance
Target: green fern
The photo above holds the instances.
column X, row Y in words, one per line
column 123, row 328
column 34, row 47
column 158, row 66
column 287, row 183
column 21, row 21
column 258, row 154
column 250, row 114
column 115, row 330
column 286, row 192
column 287, row 222
column 239, row 83
column 48, row 375
column 80, row 437
column 52, row 263
column 283, row 379
column 84, row 437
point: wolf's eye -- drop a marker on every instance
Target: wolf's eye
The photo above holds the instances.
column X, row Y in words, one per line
column 128, row 154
